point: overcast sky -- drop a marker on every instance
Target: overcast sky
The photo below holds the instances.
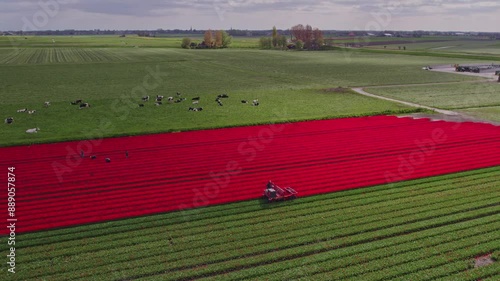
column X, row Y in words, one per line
column 443, row 15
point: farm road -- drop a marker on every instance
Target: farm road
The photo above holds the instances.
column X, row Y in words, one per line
column 442, row 111
column 444, row 114
column 447, row 115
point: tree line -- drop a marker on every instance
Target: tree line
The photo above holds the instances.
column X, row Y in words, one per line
column 302, row 37
column 221, row 40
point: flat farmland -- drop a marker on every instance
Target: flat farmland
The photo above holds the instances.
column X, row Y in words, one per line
column 380, row 197
column 488, row 113
column 485, row 47
column 426, row 229
column 290, row 83
column 446, row 96
column 107, row 41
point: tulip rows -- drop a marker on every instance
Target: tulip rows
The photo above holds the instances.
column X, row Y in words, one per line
column 168, row 172
column 429, row 227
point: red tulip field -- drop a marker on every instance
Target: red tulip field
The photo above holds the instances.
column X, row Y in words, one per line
column 57, row 186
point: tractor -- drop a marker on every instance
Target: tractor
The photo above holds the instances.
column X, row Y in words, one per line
column 276, row 193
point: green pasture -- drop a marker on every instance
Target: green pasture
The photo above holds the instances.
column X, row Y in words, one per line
column 485, row 47
column 112, row 41
column 366, row 39
column 113, row 80
column 426, row 229
column 486, row 113
column 446, row 96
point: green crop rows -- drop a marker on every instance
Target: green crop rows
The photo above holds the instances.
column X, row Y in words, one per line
column 424, row 229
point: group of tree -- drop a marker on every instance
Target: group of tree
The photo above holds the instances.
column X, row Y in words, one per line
column 302, row 37
column 276, row 41
column 221, row 40
column 312, row 39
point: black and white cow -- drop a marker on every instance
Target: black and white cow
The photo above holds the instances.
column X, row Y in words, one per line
column 84, row 105
column 9, row 120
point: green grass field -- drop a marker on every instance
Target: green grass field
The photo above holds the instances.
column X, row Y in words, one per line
column 447, row 96
column 487, row 113
column 426, row 229
column 288, row 85
column 485, row 47
column 112, row 41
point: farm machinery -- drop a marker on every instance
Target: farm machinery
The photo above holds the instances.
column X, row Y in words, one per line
column 276, row 193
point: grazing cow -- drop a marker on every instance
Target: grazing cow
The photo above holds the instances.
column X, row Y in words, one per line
column 9, row 120
column 141, row 105
column 244, row 101
column 158, row 100
column 180, row 100
column 146, row 98
column 22, row 110
column 170, row 98
column 31, row 111
column 93, row 157
column 195, row 109
column 255, row 103
column 76, row 102
column 196, row 102
column 224, row 96
column 84, row 105
column 108, row 160
column 159, row 97
column 196, row 98
column 32, row 131
column 46, row 104
column 158, row 103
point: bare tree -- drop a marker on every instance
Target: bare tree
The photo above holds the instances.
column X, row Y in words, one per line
column 218, row 39
column 208, row 38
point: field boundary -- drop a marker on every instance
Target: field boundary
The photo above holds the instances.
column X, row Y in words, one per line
column 442, row 111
